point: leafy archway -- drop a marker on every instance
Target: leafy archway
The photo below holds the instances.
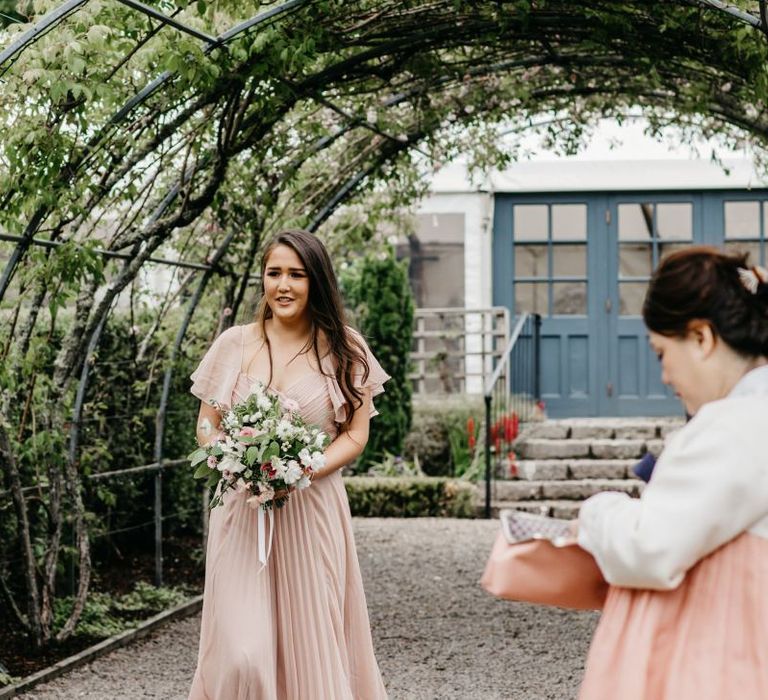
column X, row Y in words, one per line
column 187, row 132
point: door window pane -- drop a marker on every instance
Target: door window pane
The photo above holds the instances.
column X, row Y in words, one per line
column 675, row 221
column 635, row 259
column 754, row 250
column 669, row 248
column 631, row 297
column 569, row 222
column 569, row 261
column 742, row 220
column 532, row 297
column 635, row 221
column 531, row 261
column 531, row 222
column 569, row 298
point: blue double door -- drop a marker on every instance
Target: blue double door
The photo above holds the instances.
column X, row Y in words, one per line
column 583, row 262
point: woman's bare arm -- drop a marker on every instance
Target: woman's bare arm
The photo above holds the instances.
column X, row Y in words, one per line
column 350, row 444
column 208, row 423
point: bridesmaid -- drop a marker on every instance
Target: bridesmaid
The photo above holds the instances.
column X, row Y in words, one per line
column 297, row 629
column 686, row 616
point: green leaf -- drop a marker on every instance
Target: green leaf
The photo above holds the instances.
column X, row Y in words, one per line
column 197, row 456
column 251, row 455
column 202, row 6
column 204, row 471
column 77, row 64
column 273, row 450
column 213, row 479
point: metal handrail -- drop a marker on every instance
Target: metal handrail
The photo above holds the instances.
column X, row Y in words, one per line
column 498, row 372
column 505, row 355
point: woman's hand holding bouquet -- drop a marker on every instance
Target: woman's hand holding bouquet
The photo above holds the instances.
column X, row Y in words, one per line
column 263, row 447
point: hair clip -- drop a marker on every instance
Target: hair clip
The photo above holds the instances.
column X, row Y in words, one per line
column 753, row 277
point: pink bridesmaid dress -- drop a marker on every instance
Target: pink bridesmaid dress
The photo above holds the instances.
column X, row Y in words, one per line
column 297, row 629
column 686, row 616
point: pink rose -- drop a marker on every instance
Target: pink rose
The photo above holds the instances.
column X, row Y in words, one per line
column 247, row 431
column 266, row 494
column 212, row 463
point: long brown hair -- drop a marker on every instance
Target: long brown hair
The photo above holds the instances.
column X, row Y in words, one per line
column 703, row 283
column 326, row 315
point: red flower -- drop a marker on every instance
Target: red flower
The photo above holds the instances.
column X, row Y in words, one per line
column 512, row 464
column 471, row 440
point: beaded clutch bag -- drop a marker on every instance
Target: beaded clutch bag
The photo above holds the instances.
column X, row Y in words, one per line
column 518, row 526
column 536, row 559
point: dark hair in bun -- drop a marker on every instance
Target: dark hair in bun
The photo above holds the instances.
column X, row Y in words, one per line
column 703, row 283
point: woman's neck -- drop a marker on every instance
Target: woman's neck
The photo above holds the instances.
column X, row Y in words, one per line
column 295, row 331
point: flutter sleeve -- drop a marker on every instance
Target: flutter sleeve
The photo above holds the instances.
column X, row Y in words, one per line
column 709, row 486
column 375, row 381
column 218, row 371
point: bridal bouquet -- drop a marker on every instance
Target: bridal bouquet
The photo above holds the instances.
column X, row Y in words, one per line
column 264, row 447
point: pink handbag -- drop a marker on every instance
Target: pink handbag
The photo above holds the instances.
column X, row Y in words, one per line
column 535, row 560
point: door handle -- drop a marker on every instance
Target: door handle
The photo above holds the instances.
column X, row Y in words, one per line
column 608, row 306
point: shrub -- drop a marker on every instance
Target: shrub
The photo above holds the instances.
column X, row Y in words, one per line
column 410, row 497
column 378, row 291
column 105, row 615
column 441, row 435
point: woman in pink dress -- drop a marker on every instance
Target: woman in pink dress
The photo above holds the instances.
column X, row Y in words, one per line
column 686, row 616
column 298, row 628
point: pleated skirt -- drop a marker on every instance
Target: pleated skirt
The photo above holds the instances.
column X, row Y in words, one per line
column 296, row 629
column 706, row 640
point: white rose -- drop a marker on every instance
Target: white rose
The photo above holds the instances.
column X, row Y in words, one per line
column 303, row 483
column 284, row 429
column 305, row 457
column 293, row 472
column 318, row 461
column 231, row 464
column 279, row 466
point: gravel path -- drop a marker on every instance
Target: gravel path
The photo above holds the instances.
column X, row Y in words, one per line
column 437, row 634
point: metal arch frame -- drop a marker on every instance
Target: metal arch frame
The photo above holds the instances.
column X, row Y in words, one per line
column 57, row 16
column 161, row 410
column 38, row 30
column 352, row 122
column 165, row 19
column 220, row 42
column 732, row 10
column 108, row 253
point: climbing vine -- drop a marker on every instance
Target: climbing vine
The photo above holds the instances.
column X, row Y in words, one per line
column 127, row 141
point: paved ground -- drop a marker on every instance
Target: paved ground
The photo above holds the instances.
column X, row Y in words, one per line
column 437, row 634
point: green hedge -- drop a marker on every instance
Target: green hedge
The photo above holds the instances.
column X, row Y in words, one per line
column 379, row 293
column 410, row 497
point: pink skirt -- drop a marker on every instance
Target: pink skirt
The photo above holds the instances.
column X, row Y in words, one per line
column 706, row 640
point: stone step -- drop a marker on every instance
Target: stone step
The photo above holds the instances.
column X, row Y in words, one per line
column 602, row 429
column 556, row 469
column 598, row 448
column 561, row 490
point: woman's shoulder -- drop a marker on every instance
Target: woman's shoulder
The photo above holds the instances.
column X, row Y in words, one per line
column 250, row 333
column 732, row 424
column 356, row 337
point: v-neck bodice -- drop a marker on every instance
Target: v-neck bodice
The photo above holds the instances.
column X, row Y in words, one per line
column 220, row 379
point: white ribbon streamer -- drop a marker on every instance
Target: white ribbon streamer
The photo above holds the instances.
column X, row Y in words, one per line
column 264, row 550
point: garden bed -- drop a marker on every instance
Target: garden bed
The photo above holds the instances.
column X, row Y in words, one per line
column 183, row 579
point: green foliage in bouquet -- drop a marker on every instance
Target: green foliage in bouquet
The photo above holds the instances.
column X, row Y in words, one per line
column 378, row 292
column 265, row 445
